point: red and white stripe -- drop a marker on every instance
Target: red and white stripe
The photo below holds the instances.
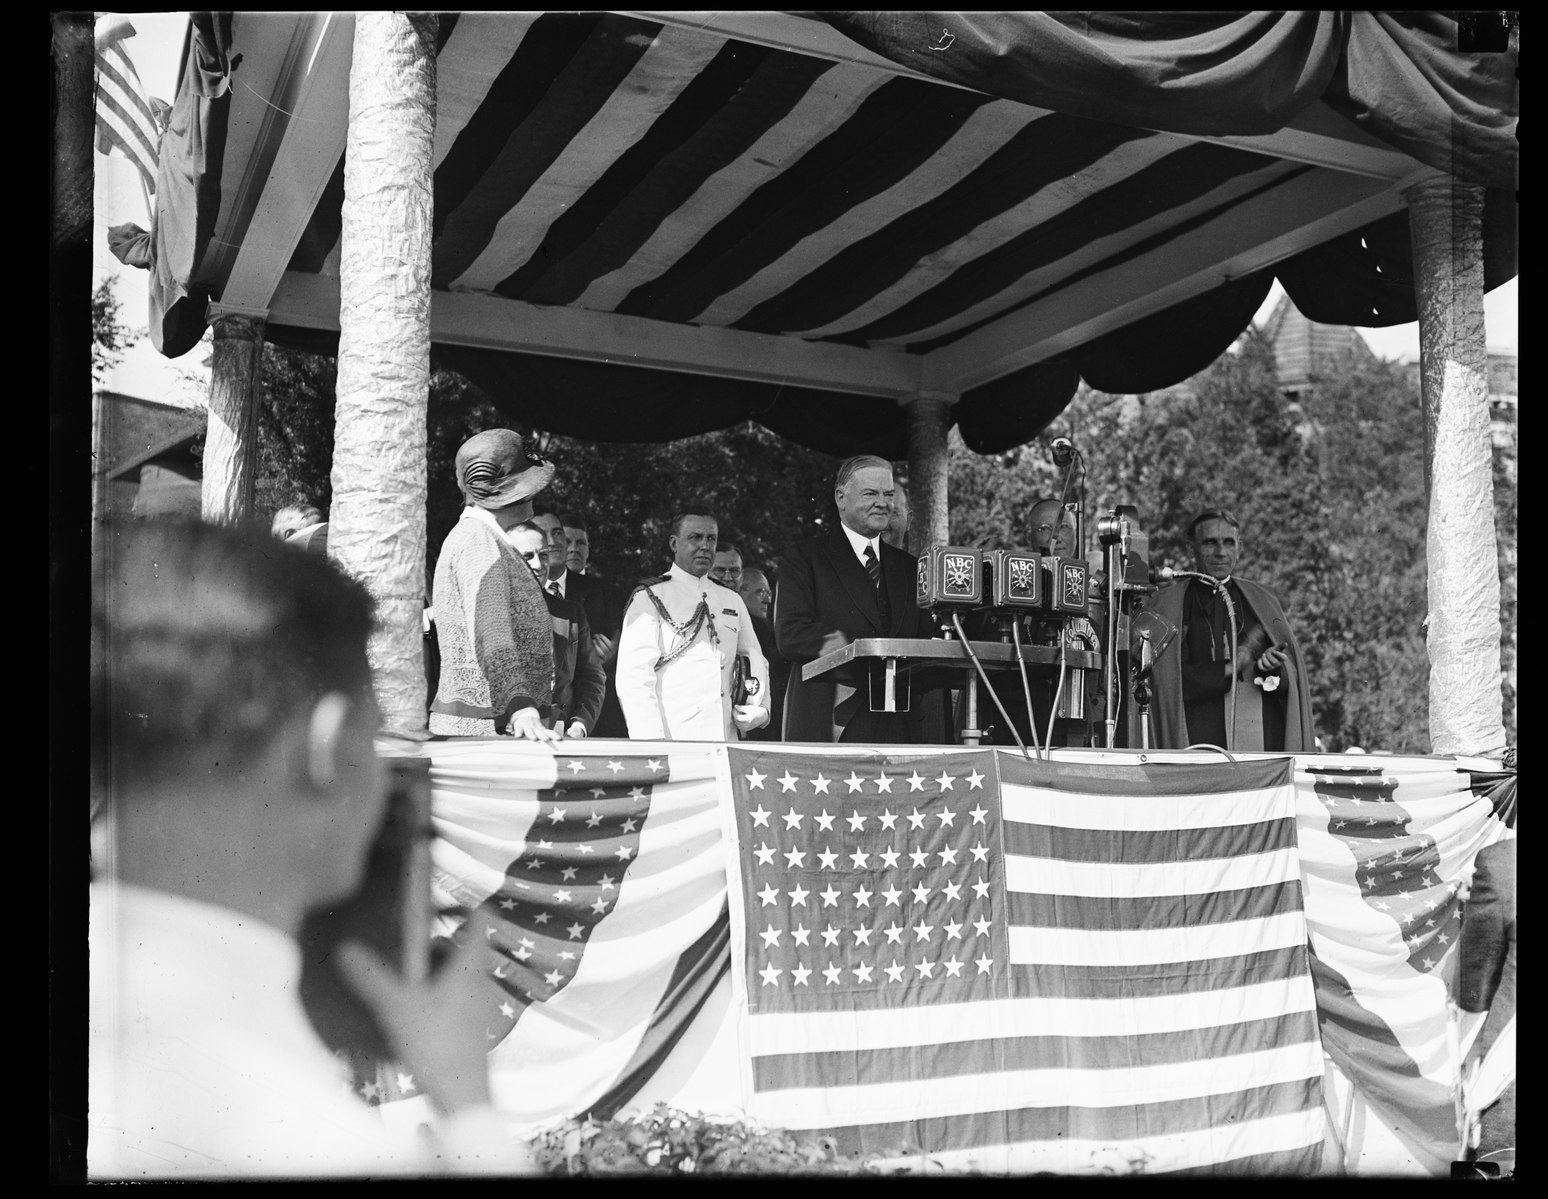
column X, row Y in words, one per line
column 126, row 121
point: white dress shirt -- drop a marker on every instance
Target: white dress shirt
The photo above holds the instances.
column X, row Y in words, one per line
column 204, row 1064
column 859, row 543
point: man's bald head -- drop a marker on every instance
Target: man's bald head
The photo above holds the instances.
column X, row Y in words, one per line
column 756, row 592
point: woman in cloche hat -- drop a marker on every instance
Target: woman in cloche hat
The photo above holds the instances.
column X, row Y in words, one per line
column 494, row 634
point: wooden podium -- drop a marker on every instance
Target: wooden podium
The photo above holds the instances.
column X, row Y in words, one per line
column 924, row 664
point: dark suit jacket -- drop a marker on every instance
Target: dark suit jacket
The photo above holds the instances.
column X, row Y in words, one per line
column 779, row 678
column 1488, row 927
column 604, row 606
column 579, row 683
column 603, row 602
column 825, row 600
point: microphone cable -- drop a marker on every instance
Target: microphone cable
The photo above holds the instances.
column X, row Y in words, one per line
column 1169, row 572
column 968, row 645
column 1053, row 711
column 1026, row 686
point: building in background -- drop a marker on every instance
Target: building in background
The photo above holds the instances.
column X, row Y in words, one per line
column 1305, row 351
column 147, row 457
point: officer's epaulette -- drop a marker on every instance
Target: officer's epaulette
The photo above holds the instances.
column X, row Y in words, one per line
column 644, row 583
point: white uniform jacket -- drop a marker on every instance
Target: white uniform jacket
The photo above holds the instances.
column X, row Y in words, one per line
column 688, row 698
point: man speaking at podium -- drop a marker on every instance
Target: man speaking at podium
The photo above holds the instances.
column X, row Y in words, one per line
column 1193, row 674
column 840, row 586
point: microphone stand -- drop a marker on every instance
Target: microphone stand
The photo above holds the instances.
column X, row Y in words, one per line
column 1073, row 457
column 1110, row 682
column 1110, row 670
column 1225, row 594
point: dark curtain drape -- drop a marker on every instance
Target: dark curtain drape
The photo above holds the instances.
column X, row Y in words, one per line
column 188, row 182
column 1400, row 76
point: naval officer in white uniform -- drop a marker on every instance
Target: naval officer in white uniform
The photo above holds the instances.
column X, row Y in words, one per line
column 677, row 654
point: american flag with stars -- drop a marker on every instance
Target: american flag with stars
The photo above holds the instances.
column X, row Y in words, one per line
column 882, row 902
column 1013, row 965
column 129, row 122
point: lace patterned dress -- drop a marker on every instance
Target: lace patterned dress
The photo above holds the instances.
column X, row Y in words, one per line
column 493, row 629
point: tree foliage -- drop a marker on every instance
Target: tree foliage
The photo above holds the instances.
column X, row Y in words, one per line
column 110, row 337
column 670, row 1143
column 1329, row 489
column 295, row 430
column 1330, row 492
column 766, row 492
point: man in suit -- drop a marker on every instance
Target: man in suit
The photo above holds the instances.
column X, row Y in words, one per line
column 842, row 585
column 569, row 557
column 758, row 595
column 727, row 567
column 1486, row 982
column 579, row 683
column 1488, row 945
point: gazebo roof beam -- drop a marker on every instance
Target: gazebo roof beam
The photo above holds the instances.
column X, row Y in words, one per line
column 298, row 166
column 493, row 322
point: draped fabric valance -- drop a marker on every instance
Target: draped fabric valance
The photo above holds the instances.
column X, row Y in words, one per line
column 1399, row 75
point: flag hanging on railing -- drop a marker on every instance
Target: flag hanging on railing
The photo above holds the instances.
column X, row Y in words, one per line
column 1386, row 849
column 1066, row 966
column 128, row 121
column 1018, row 967
column 596, row 872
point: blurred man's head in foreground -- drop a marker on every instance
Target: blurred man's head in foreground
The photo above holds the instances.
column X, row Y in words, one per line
column 233, row 715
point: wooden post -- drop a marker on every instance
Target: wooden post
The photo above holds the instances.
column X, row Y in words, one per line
column 377, row 517
column 927, row 470
column 231, row 442
column 1445, row 219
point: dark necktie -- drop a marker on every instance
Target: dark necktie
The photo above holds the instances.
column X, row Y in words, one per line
column 553, row 590
column 873, row 568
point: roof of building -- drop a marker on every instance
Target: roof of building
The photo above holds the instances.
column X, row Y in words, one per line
column 134, row 431
column 1304, row 350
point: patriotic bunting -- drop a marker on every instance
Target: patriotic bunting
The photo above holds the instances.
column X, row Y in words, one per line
column 1385, row 852
column 1009, row 965
column 596, row 875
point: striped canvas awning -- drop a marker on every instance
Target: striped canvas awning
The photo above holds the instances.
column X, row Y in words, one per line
column 648, row 225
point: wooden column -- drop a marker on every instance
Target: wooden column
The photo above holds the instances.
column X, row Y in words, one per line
column 231, row 439
column 1445, row 219
column 377, row 518
column 927, row 470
